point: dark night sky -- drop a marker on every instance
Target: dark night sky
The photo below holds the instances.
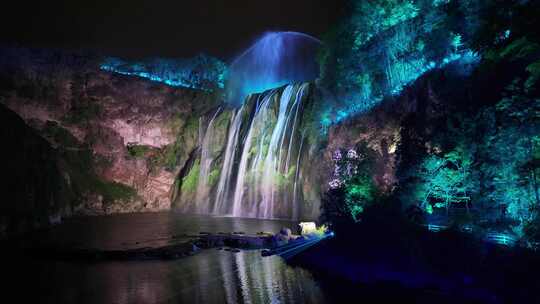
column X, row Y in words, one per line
column 167, row 28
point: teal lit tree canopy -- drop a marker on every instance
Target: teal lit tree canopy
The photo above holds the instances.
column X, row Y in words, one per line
column 385, row 45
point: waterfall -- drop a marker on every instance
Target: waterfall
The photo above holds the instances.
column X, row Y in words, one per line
column 261, row 158
column 207, row 157
column 226, row 176
column 265, row 175
column 257, row 124
column 271, row 167
column 252, row 168
column 296, row 178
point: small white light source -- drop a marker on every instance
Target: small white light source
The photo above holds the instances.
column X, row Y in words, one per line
column 308, row 227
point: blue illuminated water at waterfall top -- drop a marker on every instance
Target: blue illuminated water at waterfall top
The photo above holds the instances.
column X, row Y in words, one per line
column 276, row 59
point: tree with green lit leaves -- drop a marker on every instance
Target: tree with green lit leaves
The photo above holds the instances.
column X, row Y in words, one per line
column 445, row 179
column 384, row 45
column 522, row 108
column 509, row 36
column 359, row 194
column 511, row 155
column 352, row 190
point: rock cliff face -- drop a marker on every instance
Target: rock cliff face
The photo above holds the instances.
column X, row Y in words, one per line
column 34, row 189
column 403, row 131
column 379, row 132
column 135, row 135
column 398, row 131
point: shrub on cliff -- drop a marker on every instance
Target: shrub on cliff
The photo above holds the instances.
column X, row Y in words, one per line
column 113, row 191
column 352, row 189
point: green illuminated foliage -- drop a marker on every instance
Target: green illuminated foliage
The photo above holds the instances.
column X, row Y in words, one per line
column 509, row 188
column 284, row 180
column 444, row 180
column 483, row 156
column 192, row 126
column 440, row 2
column 383, row 46
column 138, row 151
column 534, row 70
column 352, row 190
column 373, row 17
column 188, row 131
column 429, row 209
column 356, row 211
column 520, row 48
column 359, row 193
column 114, row 192
column 191, row 180
column 512, row 163
column 213, row 177
column 489, row 161
column 456, row 41
column 519, row 107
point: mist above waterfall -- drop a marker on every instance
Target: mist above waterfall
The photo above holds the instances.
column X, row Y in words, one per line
column 276, row 59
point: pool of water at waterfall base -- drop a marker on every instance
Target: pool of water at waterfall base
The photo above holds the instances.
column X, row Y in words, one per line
column 210, row 276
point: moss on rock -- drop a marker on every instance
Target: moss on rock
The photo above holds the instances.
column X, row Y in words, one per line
column 138, row 151
column 213, row 177
column 191, row 180
column 113, row 191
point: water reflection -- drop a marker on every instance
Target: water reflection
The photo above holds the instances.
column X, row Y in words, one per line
column 242, row 278
column 212, row 276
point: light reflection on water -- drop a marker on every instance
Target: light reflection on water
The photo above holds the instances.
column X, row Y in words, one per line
column 212, row 276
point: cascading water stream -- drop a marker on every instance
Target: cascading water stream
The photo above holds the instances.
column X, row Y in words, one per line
column 264, row 170
column 271, row 163
column 225, row 179
column 203, row 189
column 259, row 161
column 296, row 106
column 296, row 178
column 256, row 124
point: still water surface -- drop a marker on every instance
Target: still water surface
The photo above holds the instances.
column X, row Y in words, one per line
column 212, row 276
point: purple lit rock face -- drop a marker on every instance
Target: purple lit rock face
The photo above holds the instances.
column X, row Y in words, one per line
column 277, row 59
column 129, row 127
